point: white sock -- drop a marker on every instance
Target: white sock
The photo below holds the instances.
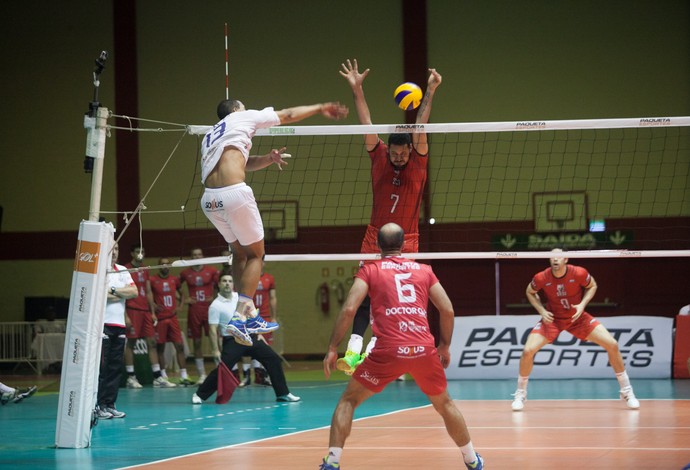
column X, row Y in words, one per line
column 468, row 453
column 235, row 367
column 164, row 374
column 623, row 379
column 355, row 344
column 522, row 384
column 155, row 367
column 183, row 374
column 256, row 364
column 129, row 369
column 245, row 307
column 370, row 346
column 334, row 454
column 245, row 367
column 200, row 365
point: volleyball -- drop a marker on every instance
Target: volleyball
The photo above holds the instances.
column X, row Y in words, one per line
column 408, row 96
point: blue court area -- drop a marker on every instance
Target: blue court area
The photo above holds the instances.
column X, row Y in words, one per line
column 162, row 423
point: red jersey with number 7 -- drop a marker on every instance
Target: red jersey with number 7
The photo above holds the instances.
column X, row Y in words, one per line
column 397, row 193
column 562, row 292
column 399, row 292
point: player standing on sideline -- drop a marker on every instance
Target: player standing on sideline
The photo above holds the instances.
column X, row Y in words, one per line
column 568, row 290
column 226, row 268
column 162, row 296
column 229, row 203
column 120, row 288
column 400, row 290
column 140, row 322
column 220, row 312
column 201, row 281
column 398, row 176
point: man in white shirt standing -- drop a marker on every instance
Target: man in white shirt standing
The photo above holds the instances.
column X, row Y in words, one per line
column 222, row 308
column 120, row 287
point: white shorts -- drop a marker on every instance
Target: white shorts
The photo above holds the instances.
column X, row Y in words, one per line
column 233, row 211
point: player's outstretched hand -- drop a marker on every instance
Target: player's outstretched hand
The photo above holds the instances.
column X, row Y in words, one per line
column 434, row 79
column 351, row 73
column 334, row 110
column 278, row 156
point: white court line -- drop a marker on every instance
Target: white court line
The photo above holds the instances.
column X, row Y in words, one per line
column 270, row 438
column 455, row 449
column 218, row 415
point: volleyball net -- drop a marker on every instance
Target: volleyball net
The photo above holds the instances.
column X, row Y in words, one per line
column 522, row 187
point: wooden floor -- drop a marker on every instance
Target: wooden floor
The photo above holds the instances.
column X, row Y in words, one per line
column 546, row 435
column 566, row 424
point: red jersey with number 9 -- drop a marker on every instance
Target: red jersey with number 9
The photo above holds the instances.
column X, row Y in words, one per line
column 562, row 292
column 399, row 292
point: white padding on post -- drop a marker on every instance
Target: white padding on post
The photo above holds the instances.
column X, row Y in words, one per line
column 81, row 357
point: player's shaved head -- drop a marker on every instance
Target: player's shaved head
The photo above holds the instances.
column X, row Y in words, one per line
column 391, row 238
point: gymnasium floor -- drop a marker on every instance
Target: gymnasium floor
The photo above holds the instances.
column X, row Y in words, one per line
column 565, row 424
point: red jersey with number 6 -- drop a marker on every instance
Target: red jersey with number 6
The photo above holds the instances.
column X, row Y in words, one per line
column 562, row 292
column 397, row 193
column 399, row 292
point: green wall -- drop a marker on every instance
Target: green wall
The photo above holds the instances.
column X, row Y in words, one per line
column 500, row 60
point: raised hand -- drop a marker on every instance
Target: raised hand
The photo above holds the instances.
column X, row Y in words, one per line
column 434, row 79
column 351, row 73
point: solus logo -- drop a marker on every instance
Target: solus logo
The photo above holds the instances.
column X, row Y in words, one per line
column 213, row 205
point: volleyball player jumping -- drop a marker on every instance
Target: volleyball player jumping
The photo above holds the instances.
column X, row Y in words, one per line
column 398, row 176
column 229, row 203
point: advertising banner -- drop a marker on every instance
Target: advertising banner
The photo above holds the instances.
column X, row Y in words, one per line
column 489, row 347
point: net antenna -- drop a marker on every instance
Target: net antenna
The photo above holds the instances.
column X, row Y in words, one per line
column 227, row 79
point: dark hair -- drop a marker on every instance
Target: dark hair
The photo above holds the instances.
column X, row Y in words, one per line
column 391, row 237
column 135, row 246
column 400, row 139
column 226, row 107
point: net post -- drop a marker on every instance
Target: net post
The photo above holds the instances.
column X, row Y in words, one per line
column 82, row 352
column 96, row 138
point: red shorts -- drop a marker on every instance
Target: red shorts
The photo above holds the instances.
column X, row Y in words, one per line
column 142, row 324
column 384, row 365
column 197, row 321
column 168, row 330
column 410, row 245
column 581, row 329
